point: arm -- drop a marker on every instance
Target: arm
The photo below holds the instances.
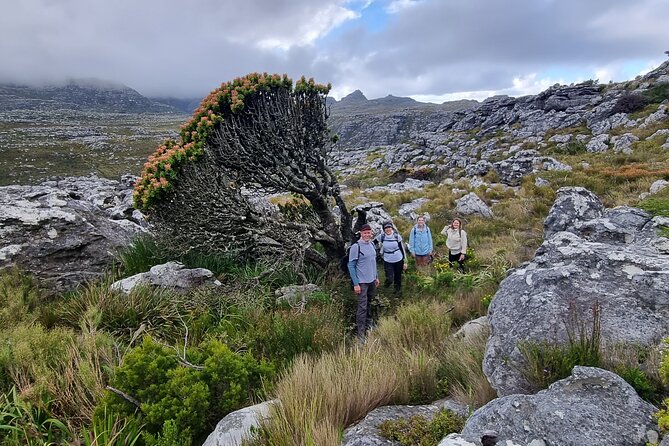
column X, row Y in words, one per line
column 445, row 231
column 353, row 263
column 463, row 242
column 429, row 241
column 412, row 247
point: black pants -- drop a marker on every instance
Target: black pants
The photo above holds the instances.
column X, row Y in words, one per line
column 393, row 273
column 456, row 257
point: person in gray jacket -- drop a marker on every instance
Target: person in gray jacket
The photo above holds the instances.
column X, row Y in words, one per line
column 362, row 268
column 394, row 260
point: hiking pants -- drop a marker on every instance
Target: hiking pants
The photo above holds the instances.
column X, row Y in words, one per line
column 393, row 272
column 363, row 317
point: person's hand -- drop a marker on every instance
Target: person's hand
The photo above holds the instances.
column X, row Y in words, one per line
column 405, row 267
column 462, row 257
column 356, row 289
column 413, row 255
column 376, row 282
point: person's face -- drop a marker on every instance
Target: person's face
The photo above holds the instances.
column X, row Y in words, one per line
column 421, row 222
column 366, row 235
column 456, row 224
column 389, row 231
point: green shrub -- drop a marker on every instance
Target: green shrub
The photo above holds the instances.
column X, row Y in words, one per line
column 636, row 378
column 110, row 430
column 630, row 102
column 19, row 297
column 195, row 397
column 169, row 436
column 419, row 431
column 657, row 93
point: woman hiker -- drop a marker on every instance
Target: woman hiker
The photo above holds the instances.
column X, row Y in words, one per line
column 394, row 260
column 420, row 242
column 456, row 242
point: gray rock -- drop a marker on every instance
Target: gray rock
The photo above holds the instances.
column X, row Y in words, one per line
column 560, row 139
column 658, row 116
column 591, row 407
column 296, row 296
column 172, row 275
column 540, row 182
column 410, row 184
column 366, row 432
column 473, row 329
column 68, row 231
column 658, row 186
column 471, row 204
column 374, row 214
column 572, row 206
column 624, row 143
column 237, row 425
column 598, row 144
column 612, row 258
column 408, row 210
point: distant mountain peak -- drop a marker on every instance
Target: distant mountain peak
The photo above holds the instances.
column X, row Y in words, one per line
column 354, row 97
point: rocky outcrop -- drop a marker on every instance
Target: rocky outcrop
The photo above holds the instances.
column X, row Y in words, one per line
column 295, row 296
column 67, row 231
column 591, row 256
column 171, row 275
column 366, row 433
column 471, row 204
column 591, row 407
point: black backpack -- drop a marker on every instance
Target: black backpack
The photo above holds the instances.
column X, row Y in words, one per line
column 343, row 262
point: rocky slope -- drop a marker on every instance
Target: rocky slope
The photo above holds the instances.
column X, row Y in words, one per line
column 96, row 95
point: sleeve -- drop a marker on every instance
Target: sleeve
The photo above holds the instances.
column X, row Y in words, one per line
column 429, row 240
column 412, row 247
column 445, row 231
column 353, row 262
column 463, row 242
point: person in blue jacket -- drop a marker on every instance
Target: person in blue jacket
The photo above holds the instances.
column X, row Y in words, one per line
column 420, row 242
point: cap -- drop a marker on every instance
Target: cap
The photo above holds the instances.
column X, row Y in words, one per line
column 387, row 225
column 365, row 227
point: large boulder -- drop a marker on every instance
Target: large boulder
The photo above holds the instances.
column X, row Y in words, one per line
column 68, row 231
column 591, row 407
column 592, row 257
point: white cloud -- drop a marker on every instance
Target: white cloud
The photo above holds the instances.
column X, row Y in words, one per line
column 399, row 5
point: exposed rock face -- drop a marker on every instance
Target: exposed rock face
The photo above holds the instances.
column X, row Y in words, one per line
column 591, row 255
column 366, row 433
column 67, row 231
column 237, row 425
column 172, row 275
column 296, row 296
column 591, row 407
column 471, row 204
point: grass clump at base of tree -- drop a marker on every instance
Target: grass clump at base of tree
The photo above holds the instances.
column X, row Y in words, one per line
column 421, row 431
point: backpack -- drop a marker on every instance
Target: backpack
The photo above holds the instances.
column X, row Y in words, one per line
column 399, row 245
column 343, row 262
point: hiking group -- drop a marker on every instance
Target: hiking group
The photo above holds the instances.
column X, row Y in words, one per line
column 362, row 255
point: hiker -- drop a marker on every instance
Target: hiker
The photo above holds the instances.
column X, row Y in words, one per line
column 362, row 268
column 394, row 260
column 420, row 242
column 456, row 242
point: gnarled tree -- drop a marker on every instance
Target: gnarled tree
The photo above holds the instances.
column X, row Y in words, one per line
column 253, row 136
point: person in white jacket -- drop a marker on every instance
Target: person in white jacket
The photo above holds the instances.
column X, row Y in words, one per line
column 456, row 242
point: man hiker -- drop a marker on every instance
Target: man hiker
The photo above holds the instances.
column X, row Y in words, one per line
column 362, row 268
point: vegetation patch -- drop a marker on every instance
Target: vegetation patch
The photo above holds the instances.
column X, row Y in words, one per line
column 421, row 431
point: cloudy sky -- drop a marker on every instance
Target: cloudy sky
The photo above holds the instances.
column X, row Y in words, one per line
column 431, row 50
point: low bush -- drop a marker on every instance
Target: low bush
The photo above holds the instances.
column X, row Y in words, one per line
column 421, row 431
column 630, row 102
column 168, row 387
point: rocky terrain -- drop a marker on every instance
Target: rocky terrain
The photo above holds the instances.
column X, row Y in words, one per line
column 614, row 260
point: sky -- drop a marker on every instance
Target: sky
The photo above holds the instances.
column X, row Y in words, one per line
column 430, row 50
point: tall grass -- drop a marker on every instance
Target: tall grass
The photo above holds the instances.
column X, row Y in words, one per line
column 401, row 362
